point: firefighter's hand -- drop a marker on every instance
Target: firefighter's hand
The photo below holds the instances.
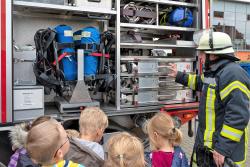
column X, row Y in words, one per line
column 173, row 70
column 218, row 159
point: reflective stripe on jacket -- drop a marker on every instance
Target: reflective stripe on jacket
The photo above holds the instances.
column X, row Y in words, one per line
column 224, row 108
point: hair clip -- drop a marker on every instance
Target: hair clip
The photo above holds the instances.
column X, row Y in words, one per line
column 121, row 156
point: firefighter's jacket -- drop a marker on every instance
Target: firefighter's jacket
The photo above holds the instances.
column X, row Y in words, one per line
column 224, row 108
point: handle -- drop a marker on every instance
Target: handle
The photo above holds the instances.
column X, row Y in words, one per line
column 105, row 17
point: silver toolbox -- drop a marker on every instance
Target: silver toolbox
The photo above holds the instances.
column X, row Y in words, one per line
column 100, row 4
column 56, row 2
column 23, row 67
column 28, row 102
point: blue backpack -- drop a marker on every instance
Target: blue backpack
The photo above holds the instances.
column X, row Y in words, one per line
column 181, row 17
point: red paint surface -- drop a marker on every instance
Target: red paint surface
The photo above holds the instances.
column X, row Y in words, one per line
column 3, row 60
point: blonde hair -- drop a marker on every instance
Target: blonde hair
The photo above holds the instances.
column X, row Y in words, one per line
column 163, row 125
column 124, row 150
column 43, row 140
column 72, row 133
column 92, row 119
column 39, row 120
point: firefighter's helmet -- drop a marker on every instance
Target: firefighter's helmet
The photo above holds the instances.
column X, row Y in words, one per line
column 217, row 43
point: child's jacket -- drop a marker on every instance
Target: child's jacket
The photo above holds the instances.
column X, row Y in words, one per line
column 179, row 159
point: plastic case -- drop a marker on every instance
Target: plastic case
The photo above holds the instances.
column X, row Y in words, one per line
column 102, row 4
column 28, row 102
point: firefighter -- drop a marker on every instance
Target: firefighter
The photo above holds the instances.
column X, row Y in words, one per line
column 222, row 133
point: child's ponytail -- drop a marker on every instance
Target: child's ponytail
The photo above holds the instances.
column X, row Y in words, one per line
column 175, row 136
column 163, row 125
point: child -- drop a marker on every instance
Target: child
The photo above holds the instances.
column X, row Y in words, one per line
column 72, row 133
column 164, row 141
column 47, row 143
column 124, row 150
column 86, row 149
column 18, row 136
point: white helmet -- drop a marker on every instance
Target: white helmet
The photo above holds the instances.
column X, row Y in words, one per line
column 217, row 43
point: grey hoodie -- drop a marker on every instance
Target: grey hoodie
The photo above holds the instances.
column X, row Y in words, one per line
column 83, row 155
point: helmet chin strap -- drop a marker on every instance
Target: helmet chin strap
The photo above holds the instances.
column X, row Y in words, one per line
column 207, row 62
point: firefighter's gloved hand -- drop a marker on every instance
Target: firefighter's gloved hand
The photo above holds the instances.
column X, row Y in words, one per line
column 173, row 70
column 218, row 159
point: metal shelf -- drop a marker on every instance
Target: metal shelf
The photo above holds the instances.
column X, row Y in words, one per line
column 155, row 27
column 160, row 103
column 160, row 59
column 179, row 44
column 169, row 88
column 52, row 8
column 169, row 2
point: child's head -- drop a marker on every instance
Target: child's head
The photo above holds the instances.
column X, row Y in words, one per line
column 93, row 121
column 19, row 133
column 124, row 150
column 47, row 142
column 72, row 133
column 161, row 128
column 39, row 120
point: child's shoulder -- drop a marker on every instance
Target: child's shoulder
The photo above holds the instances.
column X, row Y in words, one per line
column 180, row 159
column 179, row 150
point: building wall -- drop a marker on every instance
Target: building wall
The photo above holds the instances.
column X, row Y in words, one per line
column 233, row 17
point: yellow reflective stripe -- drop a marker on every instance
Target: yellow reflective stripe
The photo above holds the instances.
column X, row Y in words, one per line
column 210, row 117
column 194, row 161
column 243, row 163
column 192, row 81
column 231, row 133
column 202, row 77
column 234, row 85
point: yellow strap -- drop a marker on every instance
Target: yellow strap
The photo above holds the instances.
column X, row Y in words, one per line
column 234, row 85
column 192, row 81
column 210, row 117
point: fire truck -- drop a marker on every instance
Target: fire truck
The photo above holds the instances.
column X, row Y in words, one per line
column 60, row 56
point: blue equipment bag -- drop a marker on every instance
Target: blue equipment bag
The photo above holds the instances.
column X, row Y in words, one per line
column 68, row 64
column 88, row 39
column 181, row 17
column 246, row 67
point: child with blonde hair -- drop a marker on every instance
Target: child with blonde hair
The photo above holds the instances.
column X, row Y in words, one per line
column 47, row 143
column 18, row 135
column 86, row 148
column 124, row 150
column 164, row 142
